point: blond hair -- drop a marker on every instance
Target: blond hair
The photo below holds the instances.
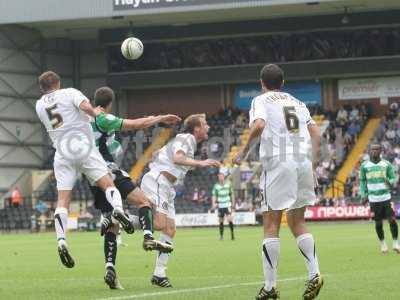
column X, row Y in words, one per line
column 193, row 121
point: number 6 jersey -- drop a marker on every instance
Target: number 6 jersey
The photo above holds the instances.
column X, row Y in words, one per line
column 286, row 120
column 59, row 112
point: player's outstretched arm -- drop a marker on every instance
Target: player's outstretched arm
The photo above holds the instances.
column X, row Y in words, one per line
column 180, row 158
column 142, row 123
column 87, row 108
column 315, row 135
column 256, row 130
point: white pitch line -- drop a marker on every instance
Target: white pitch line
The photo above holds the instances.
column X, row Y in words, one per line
column 207, row 288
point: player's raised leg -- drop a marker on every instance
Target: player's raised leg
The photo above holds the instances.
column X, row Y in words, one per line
column 61, row 222
column 305, row 242
column 65, row 175
column 167, row 226
column 114, row 198
column 139, row 199
column 110, row 254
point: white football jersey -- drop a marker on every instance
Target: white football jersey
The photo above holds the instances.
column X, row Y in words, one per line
column 59, row 112
column 163, row 160
column 286, row 119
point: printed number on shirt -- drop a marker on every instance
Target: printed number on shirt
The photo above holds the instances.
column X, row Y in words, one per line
column 55, row 118
column 291, row 119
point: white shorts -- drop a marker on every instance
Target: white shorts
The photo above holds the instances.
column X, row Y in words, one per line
column 66, row 171
column 160, row 191
column 287, row 184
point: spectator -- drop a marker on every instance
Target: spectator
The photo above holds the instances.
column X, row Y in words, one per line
column 241, row 205
column 354, row 114
column 203, row 196
column 195, row 197
column 390, row 134
column 341, row 115
column 240, row 120
column 363, row 112
column 353, row 130
column 16, row 198
column 84, row 214
column 393, row 111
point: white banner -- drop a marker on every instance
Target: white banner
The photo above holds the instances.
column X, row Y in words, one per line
column 72, row 223
column 369, row 88
column 189, row 220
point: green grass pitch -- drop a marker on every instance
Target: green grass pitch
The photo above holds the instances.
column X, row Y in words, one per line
column 201, row 267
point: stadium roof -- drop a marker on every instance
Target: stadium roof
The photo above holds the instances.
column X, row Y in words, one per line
column 82, row 19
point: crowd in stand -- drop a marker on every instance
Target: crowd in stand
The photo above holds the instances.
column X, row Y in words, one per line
column 285, row 47
column 337, row 141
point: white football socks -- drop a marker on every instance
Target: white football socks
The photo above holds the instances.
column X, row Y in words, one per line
column 270, row 256
column 384, row 247
column 306, row 244
column 113, row 197
column 395, row 244
column 162, row 258
column 60, row 223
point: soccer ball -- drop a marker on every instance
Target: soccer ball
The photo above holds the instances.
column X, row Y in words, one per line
column 132, row 48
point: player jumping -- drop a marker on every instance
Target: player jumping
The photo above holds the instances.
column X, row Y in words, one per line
column 64, row 112
column 223, row 198
column 171, row 164
column 287, row 183
column 105, row 125
column 377, row 178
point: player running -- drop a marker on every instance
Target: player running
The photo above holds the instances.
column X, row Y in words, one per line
column 223, row 198
column 287, row 183
column 377, row 178
column 64, row 112
column 171, row 164
column 105, row 126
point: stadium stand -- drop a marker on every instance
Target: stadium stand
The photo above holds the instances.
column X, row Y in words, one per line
column 338, row 139
column 247, row 49
column 12, row 218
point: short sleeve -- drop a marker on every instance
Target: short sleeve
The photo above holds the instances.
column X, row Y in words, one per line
column 182, row 143
column 257, row 110
column 109, row 122
column 214, row 190
column 309, row 120
column 77, row 97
